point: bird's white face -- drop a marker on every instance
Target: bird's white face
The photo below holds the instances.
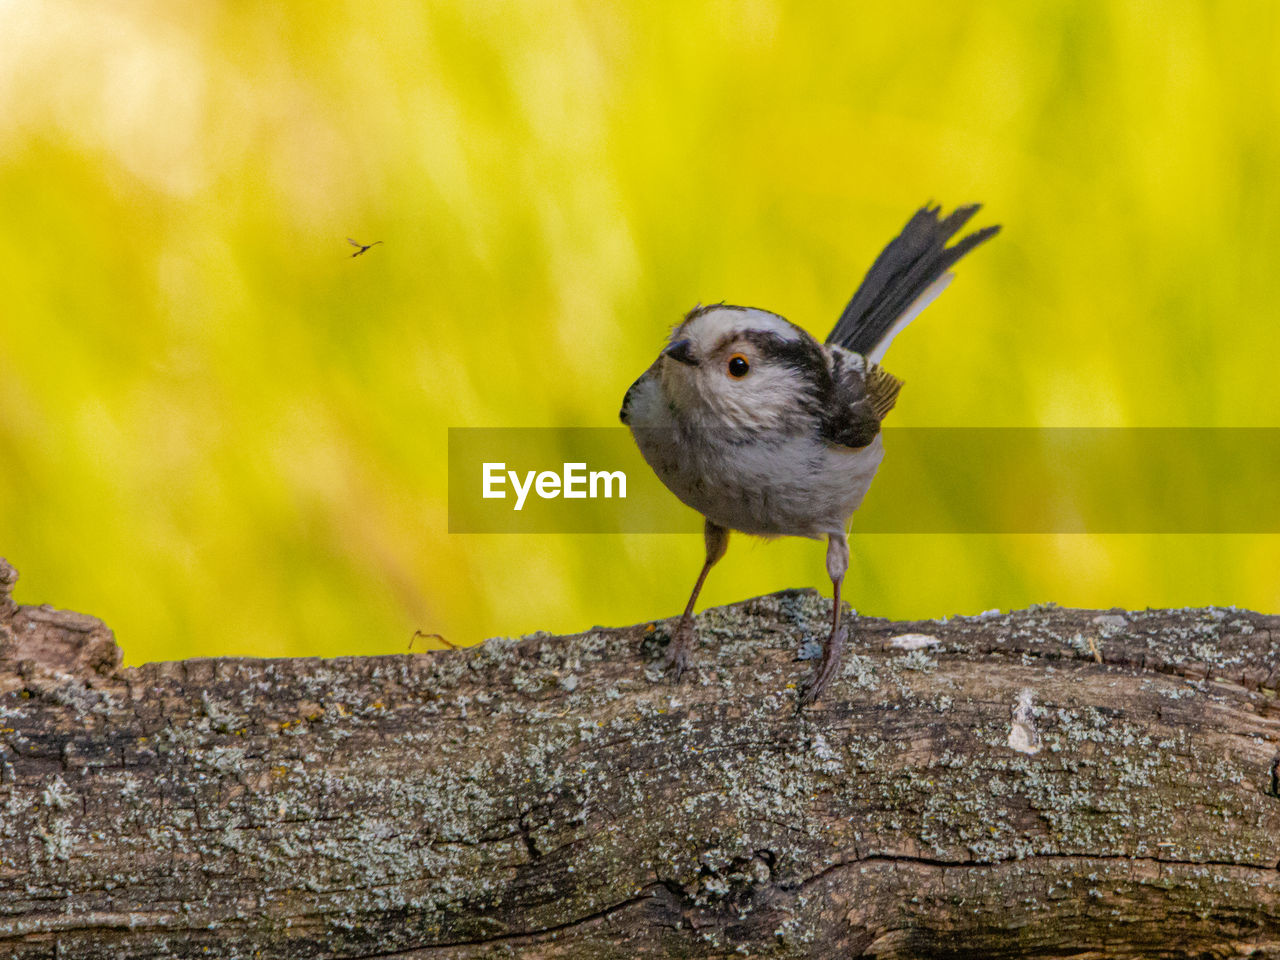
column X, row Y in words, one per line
column 743, row 369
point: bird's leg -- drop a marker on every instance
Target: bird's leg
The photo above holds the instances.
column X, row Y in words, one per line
column 837, row 564
column 677, row 658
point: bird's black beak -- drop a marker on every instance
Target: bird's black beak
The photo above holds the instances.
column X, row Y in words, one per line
column 682, row 352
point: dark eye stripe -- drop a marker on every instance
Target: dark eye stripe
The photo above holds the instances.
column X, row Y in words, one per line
column 803, row 355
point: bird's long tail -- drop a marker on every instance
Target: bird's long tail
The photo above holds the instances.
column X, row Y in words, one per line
column 909, row 273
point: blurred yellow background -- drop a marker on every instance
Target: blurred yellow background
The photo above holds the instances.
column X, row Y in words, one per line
column 223, row 435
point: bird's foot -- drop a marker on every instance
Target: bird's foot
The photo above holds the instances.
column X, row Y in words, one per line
column 826, row 670
column 676, row 660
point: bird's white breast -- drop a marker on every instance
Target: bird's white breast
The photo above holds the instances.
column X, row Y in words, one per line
column 772, row 484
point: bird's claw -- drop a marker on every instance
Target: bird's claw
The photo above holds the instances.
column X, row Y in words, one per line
column 814, row 687
column 826, row 670
column 676, row 660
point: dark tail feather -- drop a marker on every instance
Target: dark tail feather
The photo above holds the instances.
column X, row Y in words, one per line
column 905, row 268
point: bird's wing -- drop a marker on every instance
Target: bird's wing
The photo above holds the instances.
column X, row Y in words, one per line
column 862, row 394
column 882, row 389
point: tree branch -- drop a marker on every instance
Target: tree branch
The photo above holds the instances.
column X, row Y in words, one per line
column 1049, row 782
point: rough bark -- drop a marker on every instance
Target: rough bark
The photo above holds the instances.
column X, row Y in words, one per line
column 1044, row 783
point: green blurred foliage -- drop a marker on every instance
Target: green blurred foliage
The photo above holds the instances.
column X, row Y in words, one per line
column 224, row 435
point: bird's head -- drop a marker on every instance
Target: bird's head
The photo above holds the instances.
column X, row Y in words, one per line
column 744, row 369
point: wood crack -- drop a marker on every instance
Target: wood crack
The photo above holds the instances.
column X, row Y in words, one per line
column 1030, row 859
column 602, row 914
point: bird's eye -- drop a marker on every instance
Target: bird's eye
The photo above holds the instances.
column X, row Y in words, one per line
column 738, row 366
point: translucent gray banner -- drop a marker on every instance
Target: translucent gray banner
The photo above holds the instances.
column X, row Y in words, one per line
column 933, row 480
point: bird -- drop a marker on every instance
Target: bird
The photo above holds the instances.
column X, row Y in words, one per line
column 363, row 246
column 757, row 426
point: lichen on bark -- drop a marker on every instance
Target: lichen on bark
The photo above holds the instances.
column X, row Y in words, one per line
column 556, row 796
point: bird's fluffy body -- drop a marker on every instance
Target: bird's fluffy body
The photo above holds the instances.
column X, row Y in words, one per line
column 761, row 453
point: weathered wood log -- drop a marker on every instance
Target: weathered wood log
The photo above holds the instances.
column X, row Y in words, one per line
column 1045, row 783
